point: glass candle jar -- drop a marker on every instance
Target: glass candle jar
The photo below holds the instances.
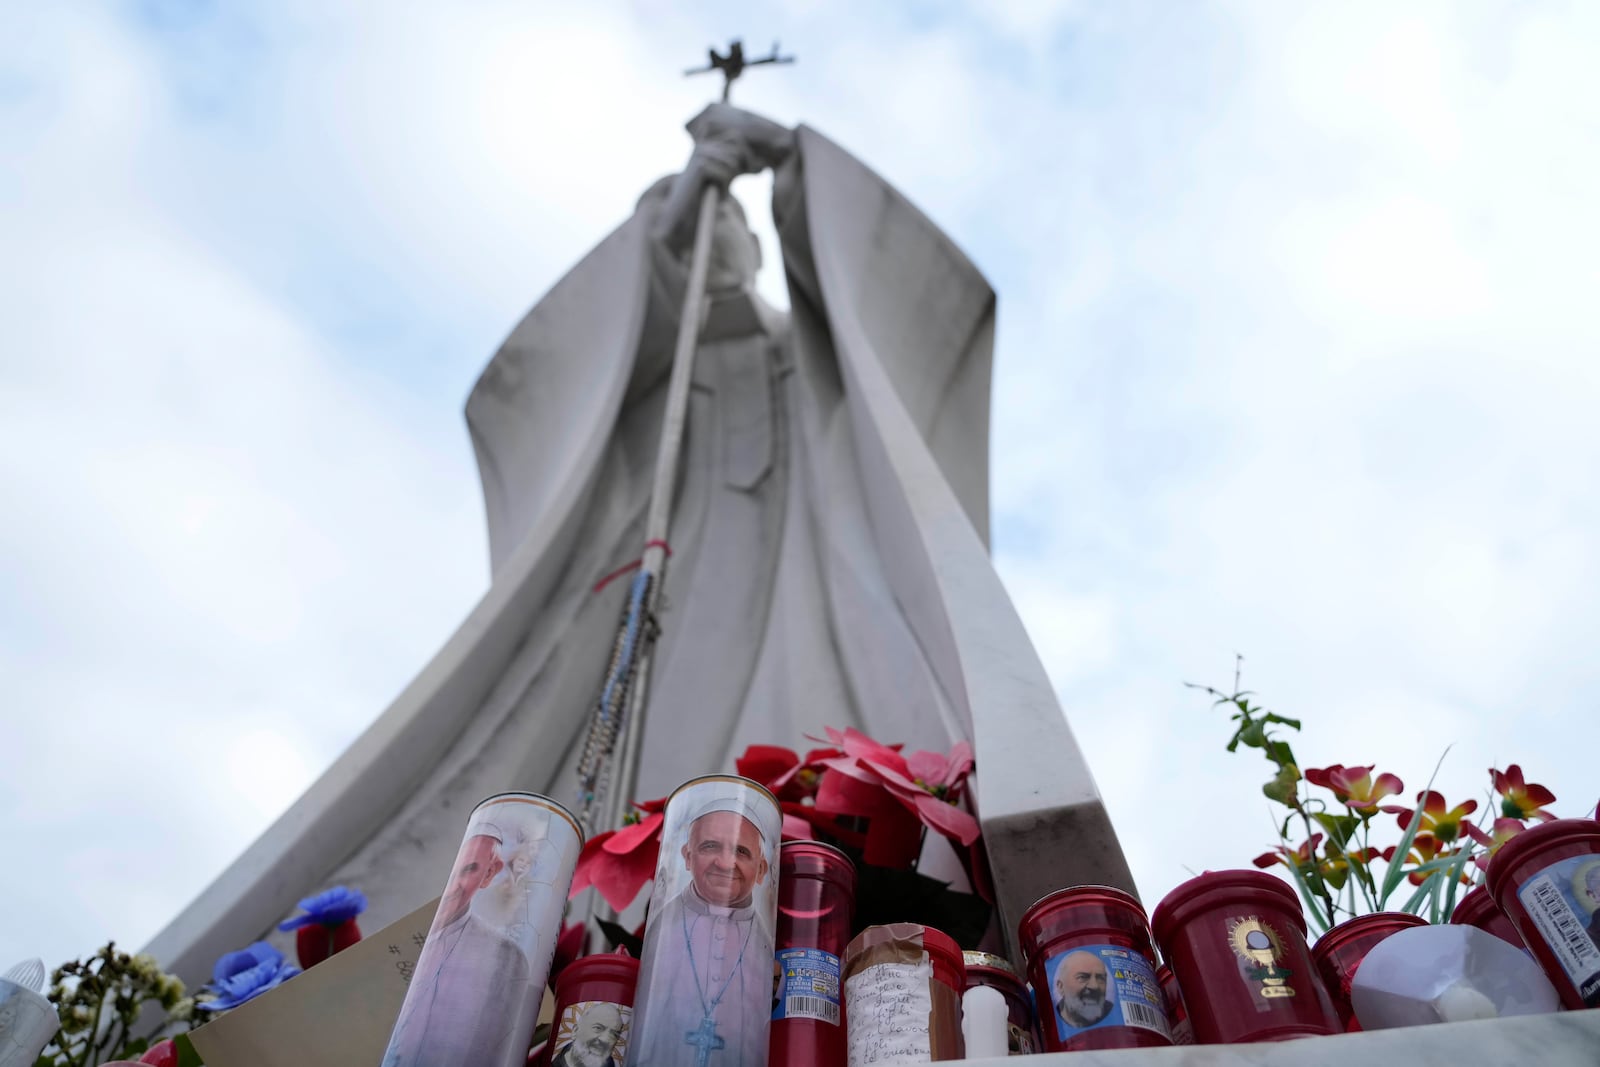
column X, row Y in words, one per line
column 986, row 969
column 1177, row 1014
column 1340, row 951
column 706, row 968
column 1091, row 959
column 594, row 1010
column 1478, row 909
column 816, row 898
column 475, row 994
column 1236, row 941
column 1547, row 881
column 902, row 985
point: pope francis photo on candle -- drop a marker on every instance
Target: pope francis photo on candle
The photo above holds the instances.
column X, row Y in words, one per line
column 713, row 940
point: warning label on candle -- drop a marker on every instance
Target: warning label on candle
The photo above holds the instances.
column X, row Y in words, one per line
column 1563, row 900
column 808, row 985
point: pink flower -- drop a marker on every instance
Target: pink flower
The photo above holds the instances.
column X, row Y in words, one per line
column 1300, row 858
column 1355, row 786
column 619, row 863
column 1442, row 824
column 1502, row 831
column 1518, row 799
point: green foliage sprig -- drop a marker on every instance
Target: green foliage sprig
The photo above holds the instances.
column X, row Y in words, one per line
column 99, row 1001
column 1336, row 865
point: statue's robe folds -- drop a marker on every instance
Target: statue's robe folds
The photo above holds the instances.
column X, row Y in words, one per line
column 829, row 564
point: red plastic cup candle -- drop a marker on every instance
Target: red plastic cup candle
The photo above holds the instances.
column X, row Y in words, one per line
column 902, row 986
column 1478, row 909
column 986, row 969
column 1340, row 951
column 1177, row 1014
column 1236, row 941
column 1093, row 965
column 1547, row 881
column 816, row 899
column 594, row 1011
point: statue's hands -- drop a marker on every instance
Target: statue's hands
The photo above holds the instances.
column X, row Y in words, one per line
column 729, row 142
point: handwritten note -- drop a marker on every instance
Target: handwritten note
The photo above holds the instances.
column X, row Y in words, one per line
column 888, row 1005
column 337, row 1014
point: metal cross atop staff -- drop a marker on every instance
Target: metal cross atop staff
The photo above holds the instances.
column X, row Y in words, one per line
column 732, row 65
column 608, row 770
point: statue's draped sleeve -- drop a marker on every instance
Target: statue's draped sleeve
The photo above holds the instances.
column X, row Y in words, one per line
column 542, row 411
column 910, row 322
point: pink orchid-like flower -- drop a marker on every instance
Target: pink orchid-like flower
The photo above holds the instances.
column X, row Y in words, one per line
column 1299, row 858
column 1355, row 786
column 619, row 863
column 1436, row 820
column 897, row 794
column 1503, row 830
column 1518, row 799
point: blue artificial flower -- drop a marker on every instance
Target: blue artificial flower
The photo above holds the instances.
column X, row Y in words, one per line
column 239, row 976
column 334, row 908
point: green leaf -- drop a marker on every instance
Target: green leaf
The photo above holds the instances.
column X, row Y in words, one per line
column 1284, row 788
column 1423, row 893
column 1293, row 724
column 1253, row 734
column 1313, row 902
column 1392, row 876
column 187, row 1056
column 1340, row 828
column 1448, row 907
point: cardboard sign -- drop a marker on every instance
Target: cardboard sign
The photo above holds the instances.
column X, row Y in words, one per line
column 338, row 1014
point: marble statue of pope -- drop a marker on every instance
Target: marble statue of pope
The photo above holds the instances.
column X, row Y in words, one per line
column 829, row 561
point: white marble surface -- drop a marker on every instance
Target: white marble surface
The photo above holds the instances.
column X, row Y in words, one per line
column 1566, row 1039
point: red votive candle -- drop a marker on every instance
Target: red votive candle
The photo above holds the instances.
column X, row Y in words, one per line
column 1340, row 951
column 1177, row 1014
column 996, row 972
column 816, row 899
column 594, row 1010
column 1237, row 942
column 1478, row 909
column 1547, row 881
column 1093, row 965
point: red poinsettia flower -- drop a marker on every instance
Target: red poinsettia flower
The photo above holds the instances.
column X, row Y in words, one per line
column 1502, row 831
column 569, row 946
column 1518, row 799
column 1299, row 858
column 1355, row 786
column 1442, row 824
column 781, row 770
column 619, row 863
column 896, row 794
column 794, row 782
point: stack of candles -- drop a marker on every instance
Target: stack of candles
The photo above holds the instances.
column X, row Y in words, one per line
column 750, row 955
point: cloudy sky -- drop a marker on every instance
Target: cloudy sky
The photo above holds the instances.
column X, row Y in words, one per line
column 1293, row 361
